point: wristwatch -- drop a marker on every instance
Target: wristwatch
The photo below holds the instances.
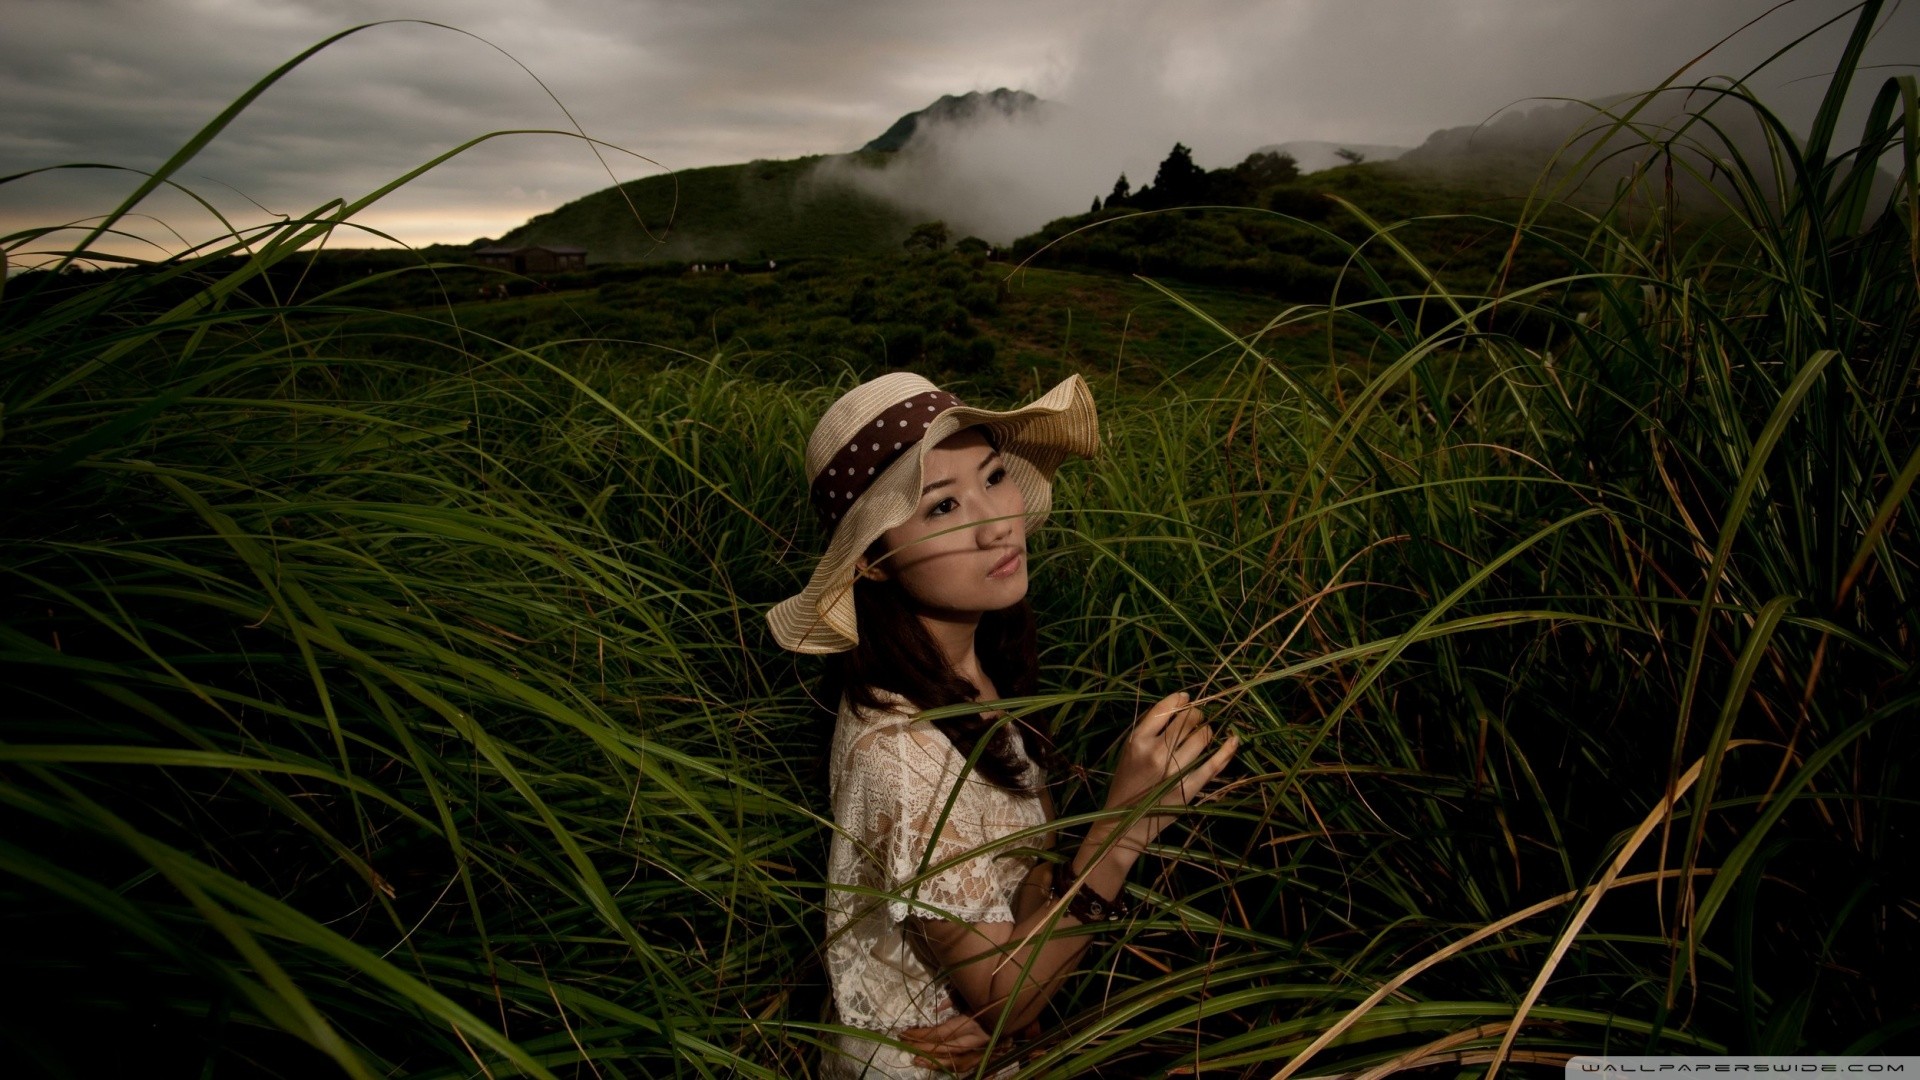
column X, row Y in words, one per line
column 1087, row 905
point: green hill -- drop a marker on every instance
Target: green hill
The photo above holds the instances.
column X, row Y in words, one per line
column 763, row 209
column 1292, row 239
column 759, row 210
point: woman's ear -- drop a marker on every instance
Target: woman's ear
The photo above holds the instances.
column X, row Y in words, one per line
column 867, row 570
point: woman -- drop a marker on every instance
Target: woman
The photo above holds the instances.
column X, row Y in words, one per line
column 921, row 599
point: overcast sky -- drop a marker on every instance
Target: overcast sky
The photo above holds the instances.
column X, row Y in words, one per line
column 706, row 82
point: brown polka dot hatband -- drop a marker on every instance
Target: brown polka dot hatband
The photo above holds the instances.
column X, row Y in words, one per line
column 864, row 464
column 872, row 449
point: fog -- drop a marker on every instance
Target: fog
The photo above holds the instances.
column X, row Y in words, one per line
column 997, row 178
column 1133, row 86
column 1116, row 106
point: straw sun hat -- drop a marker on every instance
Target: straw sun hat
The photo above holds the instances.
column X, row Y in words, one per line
column 864, row 464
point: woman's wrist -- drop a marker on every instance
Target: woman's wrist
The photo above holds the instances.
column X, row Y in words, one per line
column 1091, row 903
column 1105, row 852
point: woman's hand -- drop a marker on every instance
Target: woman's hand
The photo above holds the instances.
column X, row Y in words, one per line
column 1165, row 740
column 954, row 1045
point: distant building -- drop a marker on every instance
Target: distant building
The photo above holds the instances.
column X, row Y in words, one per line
column 536, row 259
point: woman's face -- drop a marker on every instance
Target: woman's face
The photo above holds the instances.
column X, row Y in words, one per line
column 952, row 555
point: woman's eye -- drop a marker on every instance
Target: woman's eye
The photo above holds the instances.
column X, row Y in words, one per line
column 941, row 507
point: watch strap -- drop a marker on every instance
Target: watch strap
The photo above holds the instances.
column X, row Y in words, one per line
column 1089, row 906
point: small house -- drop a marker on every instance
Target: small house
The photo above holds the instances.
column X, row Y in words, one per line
column 534, row 259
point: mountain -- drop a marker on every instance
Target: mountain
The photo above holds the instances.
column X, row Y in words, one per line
column 838, row 204
column 763, row 209
column 963, row 109
column 1508, row 154
column 1312, row 156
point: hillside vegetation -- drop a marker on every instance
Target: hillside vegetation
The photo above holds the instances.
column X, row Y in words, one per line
column 1295, row 239
column 754, row 212
column 984, row 325
column 389, row 691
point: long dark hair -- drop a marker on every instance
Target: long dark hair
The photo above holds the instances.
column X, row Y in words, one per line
column 897, row 653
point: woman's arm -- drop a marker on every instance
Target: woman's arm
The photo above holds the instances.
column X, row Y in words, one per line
column 1032, row 892
column 1005, row 978
column 986, row 962
column 957, row 1045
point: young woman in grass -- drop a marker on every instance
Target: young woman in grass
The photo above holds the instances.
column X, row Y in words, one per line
column 921, row 600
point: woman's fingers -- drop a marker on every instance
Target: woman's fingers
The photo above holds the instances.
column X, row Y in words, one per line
column 1157, row 718
column 1203, row 774
column 1196, row 736
column 1191, row 748
column 960, row 1032
column 1186, row 714
column 1164, row 748
column 1219, row 759
column 1169, row 723
column 956, row 1044
column 952, row 1043
column 963, row 1062
column 1183, row 725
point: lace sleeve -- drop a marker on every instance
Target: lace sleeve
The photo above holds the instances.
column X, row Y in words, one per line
column 901, row 778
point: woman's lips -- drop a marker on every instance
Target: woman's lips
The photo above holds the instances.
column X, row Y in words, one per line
column 1005, row 566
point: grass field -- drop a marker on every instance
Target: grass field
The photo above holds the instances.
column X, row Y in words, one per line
column 392, row 695
column 987, row 326
column 869, row 315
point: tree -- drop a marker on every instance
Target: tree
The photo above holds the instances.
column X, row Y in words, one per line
column 1243, row 184
column 1265, row 168
column 1179, row 180
column 1096, row 205
column 1351, row 157
column 1120, row 190
column 927, row 236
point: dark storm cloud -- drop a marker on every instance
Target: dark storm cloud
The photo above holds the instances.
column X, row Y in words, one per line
column 696, row 82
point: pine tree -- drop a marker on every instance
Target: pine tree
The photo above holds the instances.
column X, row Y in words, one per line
column 1179, row 179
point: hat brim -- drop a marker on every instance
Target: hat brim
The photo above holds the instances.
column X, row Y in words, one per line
column 1034, row 440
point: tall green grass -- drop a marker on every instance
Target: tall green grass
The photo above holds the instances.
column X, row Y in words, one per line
column 416, row 716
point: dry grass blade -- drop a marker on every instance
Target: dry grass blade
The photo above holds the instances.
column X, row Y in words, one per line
column 1593, row 893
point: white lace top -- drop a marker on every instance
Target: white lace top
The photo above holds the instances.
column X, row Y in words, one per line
column 891, row 776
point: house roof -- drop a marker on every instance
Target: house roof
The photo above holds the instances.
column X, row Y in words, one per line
column 552, row 249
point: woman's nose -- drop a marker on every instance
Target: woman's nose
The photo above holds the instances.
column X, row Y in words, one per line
column 994, row 525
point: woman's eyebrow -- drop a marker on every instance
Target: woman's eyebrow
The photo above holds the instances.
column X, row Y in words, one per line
column 984, row 462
